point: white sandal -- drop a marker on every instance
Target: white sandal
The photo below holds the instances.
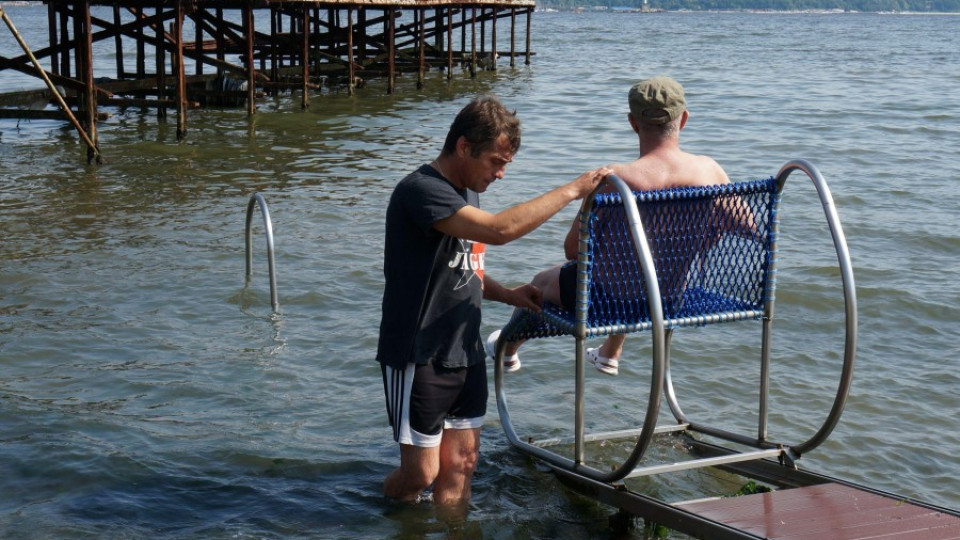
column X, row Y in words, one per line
column 510, row 363
column 610, row 366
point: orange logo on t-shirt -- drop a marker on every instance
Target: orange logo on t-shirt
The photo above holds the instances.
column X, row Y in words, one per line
column 470, row 260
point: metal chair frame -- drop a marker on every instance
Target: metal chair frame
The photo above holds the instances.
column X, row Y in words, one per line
column 661, row 385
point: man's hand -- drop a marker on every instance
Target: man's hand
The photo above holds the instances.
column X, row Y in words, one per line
column 588, row 181
column 526, row 296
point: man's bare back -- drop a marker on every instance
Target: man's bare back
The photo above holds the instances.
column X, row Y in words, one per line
column 669, row 168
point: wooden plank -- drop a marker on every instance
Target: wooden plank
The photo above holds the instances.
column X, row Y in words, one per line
column 912, row 529
column 827, row 512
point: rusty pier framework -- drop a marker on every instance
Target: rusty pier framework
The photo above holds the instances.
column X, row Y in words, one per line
column 183, row 54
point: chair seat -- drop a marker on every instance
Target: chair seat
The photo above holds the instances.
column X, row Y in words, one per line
column 698, row 307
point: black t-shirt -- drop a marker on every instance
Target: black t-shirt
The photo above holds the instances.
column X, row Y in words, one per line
column 434, row 282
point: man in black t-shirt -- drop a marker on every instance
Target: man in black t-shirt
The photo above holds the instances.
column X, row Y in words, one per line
column 430, row 351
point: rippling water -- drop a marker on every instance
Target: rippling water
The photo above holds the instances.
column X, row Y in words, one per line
column 145, row 391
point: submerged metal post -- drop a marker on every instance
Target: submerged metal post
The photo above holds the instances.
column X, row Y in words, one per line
column 305, row 56
column 351, row 69
column 257, row 200
column 181, row 75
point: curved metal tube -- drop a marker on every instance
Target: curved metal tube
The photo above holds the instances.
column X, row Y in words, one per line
column 657, row 374
column 669, row 393
column 257, row 200
column 849, row 295
column 660, row 337
column 655, row 305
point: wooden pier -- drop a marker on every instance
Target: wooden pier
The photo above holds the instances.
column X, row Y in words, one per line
column 183, row 54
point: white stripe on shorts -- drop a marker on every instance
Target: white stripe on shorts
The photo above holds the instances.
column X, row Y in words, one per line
column 399, row 383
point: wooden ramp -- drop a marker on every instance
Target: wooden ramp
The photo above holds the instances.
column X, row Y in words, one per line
column 827, row 512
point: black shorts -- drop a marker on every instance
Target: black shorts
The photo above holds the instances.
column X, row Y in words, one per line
column 423, row 400
column 568, row 286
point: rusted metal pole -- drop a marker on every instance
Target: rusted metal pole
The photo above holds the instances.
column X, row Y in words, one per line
column 513, row 36
column 438, row 28
column 90, row 88
column 351, row 69
column 64, row 38
column 473, row 42
column 161, row 56
column 449, row 43
column 249, row 34
column 198, row 42
column 221, row 45
column 493, row 40
column 391, row 50
column 362, row 37
column 529, row 17
column 141, row 45
column 331, row 42
column 91, row 145
column 181, row 73
column 305, row 55
column 118, row 42
column 52, row 37
column 423, row 23
column 463, row 35
column 276, row 25
column 78, row 39
column 483, row 31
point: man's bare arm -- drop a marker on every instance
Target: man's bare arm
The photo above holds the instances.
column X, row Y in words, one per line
column 472, row 223
column 525, row 296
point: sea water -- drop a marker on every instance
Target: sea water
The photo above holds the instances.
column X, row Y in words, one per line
column 148, row 391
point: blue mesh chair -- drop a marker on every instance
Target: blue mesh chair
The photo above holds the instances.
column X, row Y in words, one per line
column 660, row 260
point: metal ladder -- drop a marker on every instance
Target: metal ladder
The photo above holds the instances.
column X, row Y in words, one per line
column 257, row 200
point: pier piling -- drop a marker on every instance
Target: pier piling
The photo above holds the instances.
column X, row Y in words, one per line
column 303, row 46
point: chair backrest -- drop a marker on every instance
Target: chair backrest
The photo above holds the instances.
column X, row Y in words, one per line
column 712, row 248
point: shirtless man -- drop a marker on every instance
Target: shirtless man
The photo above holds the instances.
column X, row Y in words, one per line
column 658, row 112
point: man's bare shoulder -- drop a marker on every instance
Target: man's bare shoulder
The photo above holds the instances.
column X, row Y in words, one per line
column 709, row 172
column 676, row 170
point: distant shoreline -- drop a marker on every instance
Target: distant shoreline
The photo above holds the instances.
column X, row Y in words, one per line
column 604, row 9
column 596, row 9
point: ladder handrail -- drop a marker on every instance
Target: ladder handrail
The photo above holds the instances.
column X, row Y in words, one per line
column 257, row 200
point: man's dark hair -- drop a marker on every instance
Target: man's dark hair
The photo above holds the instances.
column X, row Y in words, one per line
column 482, row 122
column 661, row 131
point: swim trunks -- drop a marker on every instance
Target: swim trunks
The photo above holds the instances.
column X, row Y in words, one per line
column 425, row 399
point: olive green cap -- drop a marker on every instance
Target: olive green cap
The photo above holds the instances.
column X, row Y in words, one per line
column 657, row 101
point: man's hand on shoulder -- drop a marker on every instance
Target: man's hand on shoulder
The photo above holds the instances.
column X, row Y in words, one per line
column 588, row 181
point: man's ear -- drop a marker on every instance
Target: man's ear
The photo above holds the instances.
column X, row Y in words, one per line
column 463, row 147
column 684, row 117
column 633, row 123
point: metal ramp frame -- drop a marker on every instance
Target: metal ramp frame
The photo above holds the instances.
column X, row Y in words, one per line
column 807, row 506
column 761, row 454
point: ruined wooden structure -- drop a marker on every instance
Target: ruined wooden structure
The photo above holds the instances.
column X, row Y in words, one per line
column 181, row 54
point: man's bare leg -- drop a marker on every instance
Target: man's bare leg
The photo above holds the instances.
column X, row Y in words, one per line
column 612, row 347
column 459, row 453
column 418, row 469
column 548, row 281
